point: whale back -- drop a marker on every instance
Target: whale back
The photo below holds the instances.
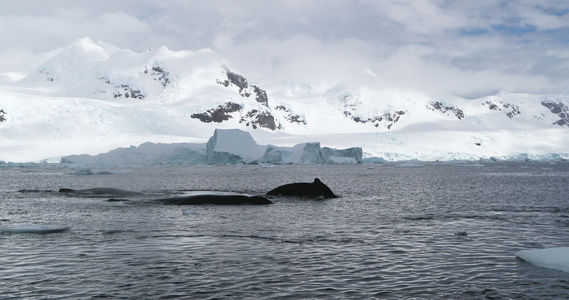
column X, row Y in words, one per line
column 323, row 189
column 215, row 199
column 304, row 189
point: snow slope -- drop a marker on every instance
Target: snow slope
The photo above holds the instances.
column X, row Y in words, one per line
column 89, row 98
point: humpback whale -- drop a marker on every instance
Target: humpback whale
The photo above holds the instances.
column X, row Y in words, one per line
column 101, row 191
column 217, row 199
column 304, row 189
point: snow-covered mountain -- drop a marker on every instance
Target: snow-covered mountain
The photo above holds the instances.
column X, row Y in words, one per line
column 93, row 97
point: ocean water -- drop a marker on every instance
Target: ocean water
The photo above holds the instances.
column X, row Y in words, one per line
column 439, row 231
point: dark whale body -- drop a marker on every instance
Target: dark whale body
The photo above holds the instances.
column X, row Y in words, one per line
column 101, row 191
column 304, row 189
column 216, row 199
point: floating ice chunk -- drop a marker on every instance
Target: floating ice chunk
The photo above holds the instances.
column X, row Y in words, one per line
column 551, row 258
column 35, row 229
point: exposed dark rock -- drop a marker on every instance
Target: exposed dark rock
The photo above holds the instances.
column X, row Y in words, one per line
column 388, row 118
column 122, row 90
column 225, row 83
column 446, row 109
column 351, row 104
column 253, row 118
column 511, row 109
column 49, row 76
column 218, row 114
column 261, row 95
column 244, row 90
column 158, row 74
column 515, row 110
column 2, row 115
column 559, row 109
column 290, row 117
column 238, row 80
column 263, row 119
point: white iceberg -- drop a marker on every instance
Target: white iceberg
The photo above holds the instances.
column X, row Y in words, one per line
column 226, row 146
column 232, row 146
column 342, row 156
column 551, row 258
column 305, row 153
column 145, row 154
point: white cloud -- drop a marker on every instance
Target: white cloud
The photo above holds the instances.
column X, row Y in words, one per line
column 464, row 47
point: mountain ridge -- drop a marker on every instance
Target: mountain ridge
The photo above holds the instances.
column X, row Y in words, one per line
column 116, row 96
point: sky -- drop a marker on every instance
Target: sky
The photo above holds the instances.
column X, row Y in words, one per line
column 460, row 47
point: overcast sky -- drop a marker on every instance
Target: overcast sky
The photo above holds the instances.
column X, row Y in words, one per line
column 469, row 48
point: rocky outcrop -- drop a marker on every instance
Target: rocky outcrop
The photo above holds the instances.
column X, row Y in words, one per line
column 511, row 110
column 49, row 76
column 559, row 109
column 253, row 118
column 218, row 114
column 290, row 117
column 263, row 119
column 125, row 91
column 352, row 102
column 158, row 74
column 2, row 115
column 244, row 89
column 122, row 90
column 389, row 119
column 438, row 106
column 260, row 95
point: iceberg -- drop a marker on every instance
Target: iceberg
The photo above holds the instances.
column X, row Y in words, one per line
column 145, row 154
column 344, row 156
column 226, row 146
column 305, row 153
column 311, row 153
column 551, row 258
column 232, row 146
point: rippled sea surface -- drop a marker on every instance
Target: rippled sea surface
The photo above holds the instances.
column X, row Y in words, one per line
column 434, row 232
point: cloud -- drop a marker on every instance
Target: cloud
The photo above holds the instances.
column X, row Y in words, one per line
column 460, row 47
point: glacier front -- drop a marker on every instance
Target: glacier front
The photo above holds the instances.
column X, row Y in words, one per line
column 226, row 146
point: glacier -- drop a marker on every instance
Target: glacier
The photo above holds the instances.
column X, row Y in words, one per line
column 92, row 97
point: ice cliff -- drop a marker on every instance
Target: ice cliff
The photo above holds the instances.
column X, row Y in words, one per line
column 226, row 146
